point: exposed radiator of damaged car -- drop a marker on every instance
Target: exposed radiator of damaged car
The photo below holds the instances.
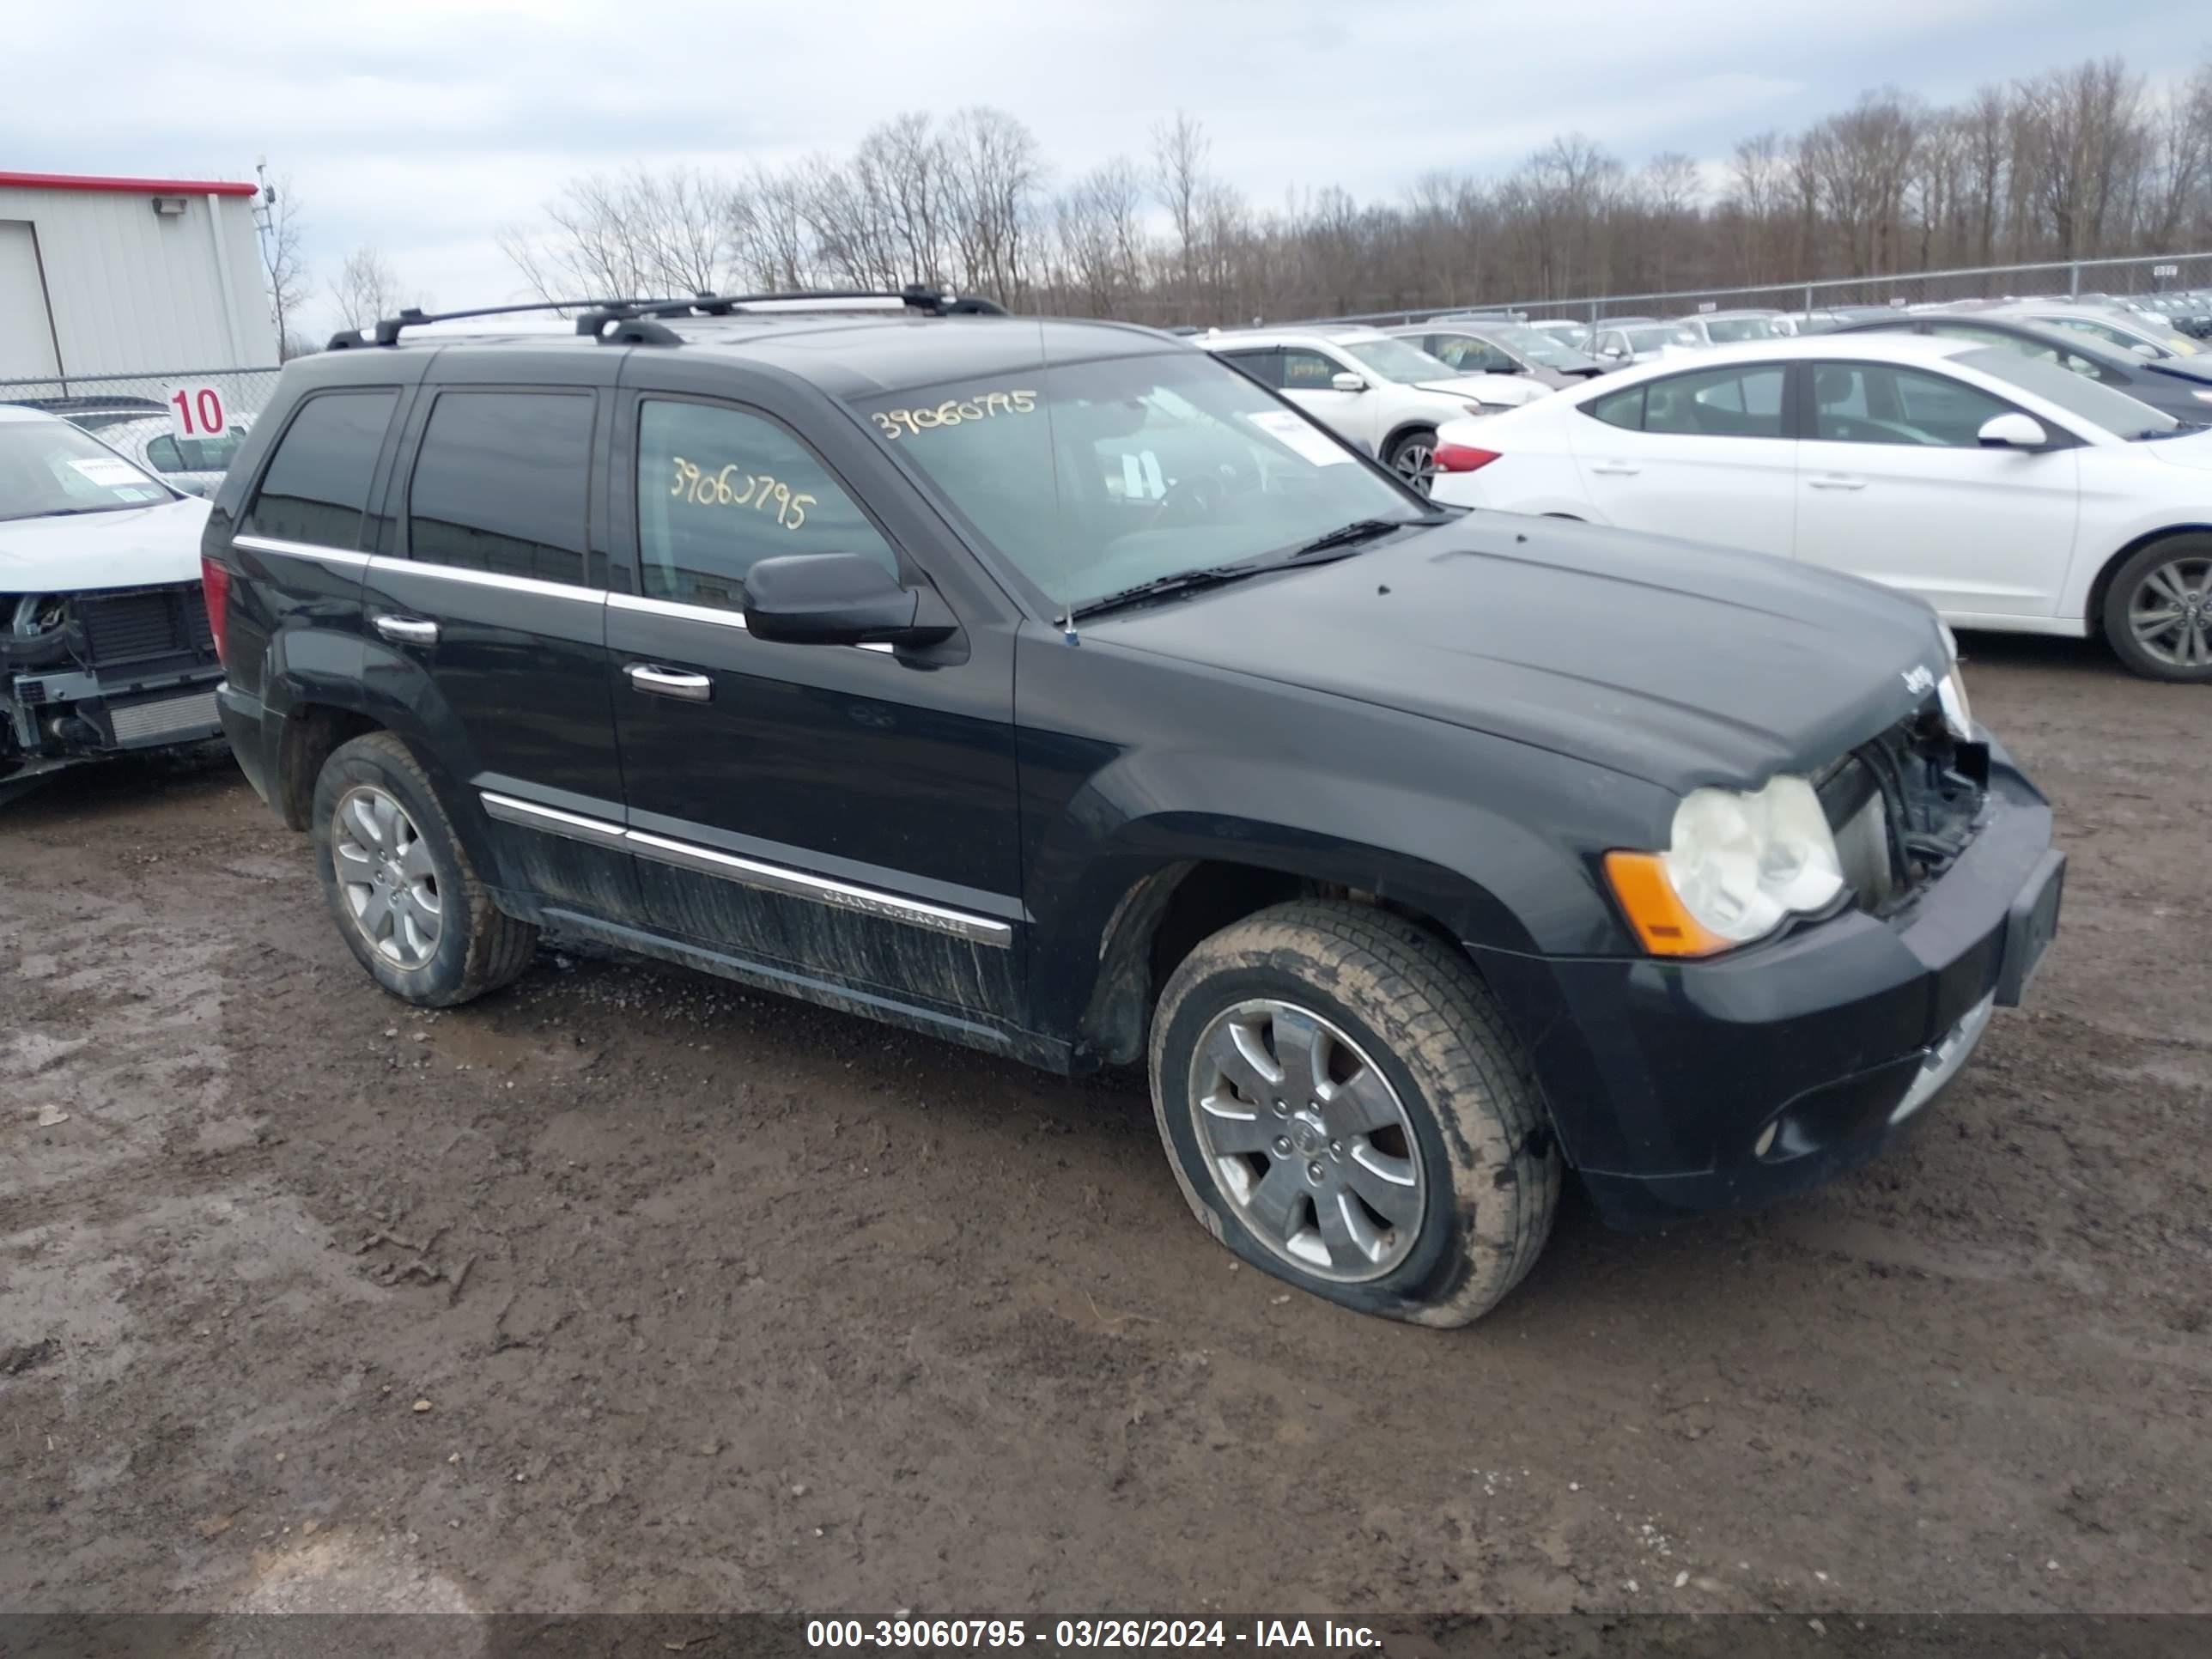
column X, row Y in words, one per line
column 1903, row 806
column 144, row 625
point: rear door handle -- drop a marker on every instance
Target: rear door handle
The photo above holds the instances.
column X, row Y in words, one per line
column 1836, row 480
column 408, row 630
column 670, row 682
column 1615, row 469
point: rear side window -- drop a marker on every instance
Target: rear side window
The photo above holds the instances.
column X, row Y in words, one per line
column 720, row 489
column 1716, row 403
column 316, row 489
column 1265, row 366
column 499, row 484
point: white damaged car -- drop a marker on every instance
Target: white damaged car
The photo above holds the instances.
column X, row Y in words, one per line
column 105, row 645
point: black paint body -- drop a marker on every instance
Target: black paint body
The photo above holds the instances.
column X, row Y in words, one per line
column 1458, row 722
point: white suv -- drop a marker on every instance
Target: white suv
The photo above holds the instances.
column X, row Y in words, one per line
column 1384, row 395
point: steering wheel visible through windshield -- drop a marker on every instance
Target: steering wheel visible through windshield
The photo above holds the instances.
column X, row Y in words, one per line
column 1093, row 478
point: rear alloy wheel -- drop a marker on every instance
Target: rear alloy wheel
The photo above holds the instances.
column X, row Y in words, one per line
column 408, row 900
column 1344, row 1108
column 2158, row 611
column 1413, row 458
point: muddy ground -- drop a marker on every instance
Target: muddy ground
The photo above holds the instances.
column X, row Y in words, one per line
column 627, row 1290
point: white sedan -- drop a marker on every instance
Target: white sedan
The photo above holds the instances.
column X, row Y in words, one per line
column 194, row 465
column 2003, row 489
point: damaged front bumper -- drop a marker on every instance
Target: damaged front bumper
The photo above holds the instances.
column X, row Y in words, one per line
column 125, row 672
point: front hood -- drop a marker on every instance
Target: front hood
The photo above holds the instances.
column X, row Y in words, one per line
column 129, row 547
column 1665, row 660
column 2192, row 450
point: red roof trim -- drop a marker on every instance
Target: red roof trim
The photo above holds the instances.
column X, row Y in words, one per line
column 130, row 187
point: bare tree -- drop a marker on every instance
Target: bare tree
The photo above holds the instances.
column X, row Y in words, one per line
column 2078, row 163
column 1180, row 148
column 1099, row 237
column 365, row 288
column 281, row 230
column 995, row 171
column 2081, row 131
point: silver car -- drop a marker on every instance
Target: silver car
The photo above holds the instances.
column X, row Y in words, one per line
column 194, row 465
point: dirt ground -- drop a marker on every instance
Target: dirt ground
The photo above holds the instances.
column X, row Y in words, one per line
column 627, row 1290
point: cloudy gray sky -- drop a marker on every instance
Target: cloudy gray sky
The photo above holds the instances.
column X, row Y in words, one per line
column 422, row 126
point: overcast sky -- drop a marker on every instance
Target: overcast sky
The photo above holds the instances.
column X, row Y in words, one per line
column 421, row 128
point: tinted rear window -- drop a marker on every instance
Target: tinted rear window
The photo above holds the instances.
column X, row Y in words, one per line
column 499, row 483
column 316, row 489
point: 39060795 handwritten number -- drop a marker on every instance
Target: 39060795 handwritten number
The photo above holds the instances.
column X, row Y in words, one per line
column 760, row 492
column 955, row 411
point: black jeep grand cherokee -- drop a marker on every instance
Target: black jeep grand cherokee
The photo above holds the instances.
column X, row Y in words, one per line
column 1052, row 687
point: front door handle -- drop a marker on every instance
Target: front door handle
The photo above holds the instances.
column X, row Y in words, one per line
column 1615, row 469
column 670, row 682
column 408, row 630
column 1835, row 481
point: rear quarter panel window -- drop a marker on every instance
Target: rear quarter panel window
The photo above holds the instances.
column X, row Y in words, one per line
column 316, row 488
column 1623, row 408
column 1716, row 403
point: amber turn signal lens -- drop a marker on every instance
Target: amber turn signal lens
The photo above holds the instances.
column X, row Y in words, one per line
column 1662, row 921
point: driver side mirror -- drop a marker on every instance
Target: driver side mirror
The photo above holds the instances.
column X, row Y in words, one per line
column 839, row 598
column 2014, row 431
column 1344, row 381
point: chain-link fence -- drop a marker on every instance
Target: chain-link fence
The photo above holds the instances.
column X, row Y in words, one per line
column 2151, row 274
column 96, row 401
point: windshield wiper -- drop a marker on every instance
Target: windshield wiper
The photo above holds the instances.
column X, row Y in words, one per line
column 1339, row 543
column 1358, row 531
column 69, row 512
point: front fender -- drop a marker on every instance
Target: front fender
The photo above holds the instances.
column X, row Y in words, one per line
column 1496, row 843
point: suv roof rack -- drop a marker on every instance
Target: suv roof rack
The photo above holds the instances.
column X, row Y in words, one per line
column 635, row 316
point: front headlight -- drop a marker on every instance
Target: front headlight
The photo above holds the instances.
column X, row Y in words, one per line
column 1951, row 691
column 2201, row 396
column 1736, row 865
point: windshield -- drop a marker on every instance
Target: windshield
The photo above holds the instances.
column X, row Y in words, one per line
column 48, row 468
column 1728, row 330
column 1651, row 339
column 2113, row 412
column 1394, row 360
column 1539, row 347
column 1577, row 335
column 1093, row 478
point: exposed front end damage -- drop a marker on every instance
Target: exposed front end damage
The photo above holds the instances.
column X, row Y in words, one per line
column 111, row 672
column 1903, row 806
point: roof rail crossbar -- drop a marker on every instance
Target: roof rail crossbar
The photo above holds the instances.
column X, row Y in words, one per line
column 386, row 330
column 635, row 316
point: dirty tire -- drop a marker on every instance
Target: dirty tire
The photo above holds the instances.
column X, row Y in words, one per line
column 2191, row 550
column 1490, row 1166
column 480, row 948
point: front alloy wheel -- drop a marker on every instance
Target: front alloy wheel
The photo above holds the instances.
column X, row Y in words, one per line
column 1307, row 1140
column 1344, row 1108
